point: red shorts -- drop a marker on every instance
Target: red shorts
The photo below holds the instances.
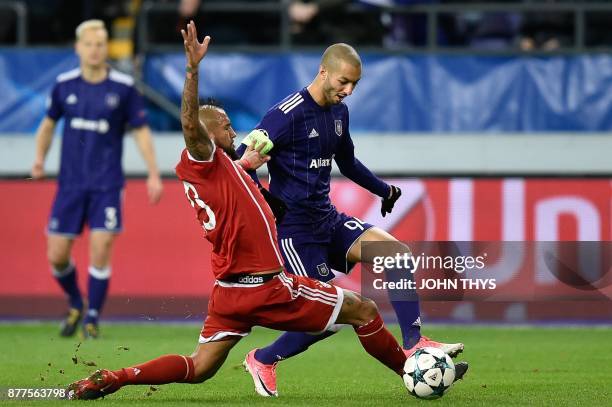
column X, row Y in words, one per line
column 286, row 303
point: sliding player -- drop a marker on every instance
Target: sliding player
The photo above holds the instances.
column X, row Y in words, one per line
column 251, row 287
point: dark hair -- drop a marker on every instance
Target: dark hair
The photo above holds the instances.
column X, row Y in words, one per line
column 211, row 102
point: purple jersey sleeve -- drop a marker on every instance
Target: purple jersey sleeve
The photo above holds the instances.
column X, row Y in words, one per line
column 354, row 170
column 136, row 115
column 54, row 105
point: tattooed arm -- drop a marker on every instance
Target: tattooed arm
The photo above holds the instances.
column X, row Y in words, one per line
column 197, row 141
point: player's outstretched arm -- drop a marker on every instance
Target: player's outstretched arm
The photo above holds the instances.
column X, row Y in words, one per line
column 144, row 141
column 353, row 169
column 197, row 141
column 44, row 136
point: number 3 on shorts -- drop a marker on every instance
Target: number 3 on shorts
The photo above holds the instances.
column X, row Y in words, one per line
column 212, row 221
column 110, row 215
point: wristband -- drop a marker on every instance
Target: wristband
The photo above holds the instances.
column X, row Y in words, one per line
column 244, row 163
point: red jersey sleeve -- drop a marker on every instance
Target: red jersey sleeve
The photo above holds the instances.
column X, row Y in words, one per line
column 233, row 214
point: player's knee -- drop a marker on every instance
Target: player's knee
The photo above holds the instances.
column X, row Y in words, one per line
column 357, row 310
column 100, row 249
column 58, row 258
column 101, row 254
column 203, row 368
column 202, row 371
column 367, row 310
column 199, row 379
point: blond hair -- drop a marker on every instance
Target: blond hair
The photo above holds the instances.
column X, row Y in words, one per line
column 89, row 25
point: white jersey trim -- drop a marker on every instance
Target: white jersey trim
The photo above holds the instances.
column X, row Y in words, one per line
column 113, row 231
column 346, row 262
column 220, row 335
column 334, row 316
column 226, row 284
column 120, row 77
column 297, row 256
column 293, row 258
column 68, row 235
column 71, row 74
column 288, row 101
column 308, row 292
column 272, row 240
column 290, row 104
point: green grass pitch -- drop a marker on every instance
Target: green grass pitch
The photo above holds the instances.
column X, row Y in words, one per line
column 508, row 366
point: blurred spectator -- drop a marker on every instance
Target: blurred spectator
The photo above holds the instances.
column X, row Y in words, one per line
column 246, row 27
column 53, row 21
column 8, row 25
column 491, row 31
column 313, row 22
column 188, row 8
column 411, row 29
column 164, row 27
column 484, row 30
column 329, row 21
column 225, row 27
column 598, row 31
column 547, row 31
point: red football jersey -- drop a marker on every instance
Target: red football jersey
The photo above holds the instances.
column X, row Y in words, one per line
column 233, row 214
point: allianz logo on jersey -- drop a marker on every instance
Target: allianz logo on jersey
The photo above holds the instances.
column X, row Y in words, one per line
column 78, row 123
column 321, row 162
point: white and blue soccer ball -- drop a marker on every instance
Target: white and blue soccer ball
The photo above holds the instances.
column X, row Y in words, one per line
column 429, row 373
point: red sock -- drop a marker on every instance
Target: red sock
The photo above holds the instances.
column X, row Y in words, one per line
column 379, row 342
column 164, row 369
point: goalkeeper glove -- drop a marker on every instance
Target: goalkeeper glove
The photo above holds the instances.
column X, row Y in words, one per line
column 279, row 208
column 388, row 202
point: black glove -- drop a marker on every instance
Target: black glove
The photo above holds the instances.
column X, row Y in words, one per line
column 279, row 208
column 388, row 202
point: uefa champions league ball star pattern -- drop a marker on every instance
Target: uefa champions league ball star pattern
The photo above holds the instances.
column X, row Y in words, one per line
column 429, row 373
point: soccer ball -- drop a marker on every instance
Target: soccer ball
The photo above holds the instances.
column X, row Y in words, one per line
column 429, row 373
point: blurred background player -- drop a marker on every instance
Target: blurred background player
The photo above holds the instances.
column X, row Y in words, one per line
column 316, row 22
column 96, row 103
column 309, row 129
column 251, row 287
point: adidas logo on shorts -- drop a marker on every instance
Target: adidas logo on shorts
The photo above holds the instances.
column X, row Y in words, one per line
column 251, row 280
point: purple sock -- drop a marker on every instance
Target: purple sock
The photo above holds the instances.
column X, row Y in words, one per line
column 408, row 316
column 98, row 287
column 68, row 281
column 287, row 345
column 406, row 306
